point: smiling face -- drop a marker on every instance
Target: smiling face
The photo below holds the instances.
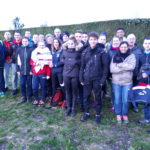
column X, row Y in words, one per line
column 120, row 33
column 25, row 42
column 115, row 42
column 78, row 37
column 17, row 36
column 71, row 44
column 41, row 45
column 93, row 41
column 146, row 44
column 56, row 44
column 7, row 35
column 102, row 39
column 84, row 38
column 123, row 48
column 131, row 39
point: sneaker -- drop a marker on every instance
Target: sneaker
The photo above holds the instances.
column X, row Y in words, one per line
column 23, row 99
column 97, row 119
column 29, row 99
column 48, row 105
column 68, row 112
column 112, row 110
column 144, row 122
column 136, row 110
column 14, row 92
column 2, row 94
column 73, row 113
column 126, row 120
column 119, row 119
column 6, row 89
column 85, row 117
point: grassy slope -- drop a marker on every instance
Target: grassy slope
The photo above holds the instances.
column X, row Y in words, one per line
column 26, row 127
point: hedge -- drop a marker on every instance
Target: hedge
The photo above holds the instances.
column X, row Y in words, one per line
column 140, row 27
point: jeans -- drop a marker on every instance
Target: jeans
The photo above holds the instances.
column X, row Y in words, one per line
column 36, row 81
column 2, row 82
column 26, row 85
column 147, row 112
column 7, row 67
column 121, row 99
column 87, row 88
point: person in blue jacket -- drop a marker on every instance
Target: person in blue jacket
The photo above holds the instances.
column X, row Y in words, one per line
column 57, row 76
column 2, row 61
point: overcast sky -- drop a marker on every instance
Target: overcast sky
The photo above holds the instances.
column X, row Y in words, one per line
column 34, row 13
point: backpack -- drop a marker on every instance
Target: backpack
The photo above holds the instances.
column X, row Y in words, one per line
column 57, row 98
column 139, row 94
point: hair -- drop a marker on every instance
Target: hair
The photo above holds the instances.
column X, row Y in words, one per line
column 147, row 38
column 85, row 33
column 79, row 31
column 60, row 44
column 93, row 34
column 49, row 35
column 103, row 34
column 65, row 33
column 120, row 28
column 17, row 32
column 124, row 42
column 73, row 39
column 25, row 38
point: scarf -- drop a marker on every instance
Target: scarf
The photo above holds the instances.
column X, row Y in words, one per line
column 120, row 57
column 41, row 57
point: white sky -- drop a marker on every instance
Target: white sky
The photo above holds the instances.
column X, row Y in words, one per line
column 34, row 13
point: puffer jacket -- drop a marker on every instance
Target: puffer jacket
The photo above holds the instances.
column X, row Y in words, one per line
column 71, row 58
column 94, row 65
column 122, row 73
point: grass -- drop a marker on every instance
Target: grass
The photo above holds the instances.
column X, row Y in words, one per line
column 27, row 127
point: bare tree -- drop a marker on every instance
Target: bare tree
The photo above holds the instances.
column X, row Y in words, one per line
column 16, row 23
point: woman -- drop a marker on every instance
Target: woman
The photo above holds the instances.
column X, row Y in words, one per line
column 121, row 67
column 41, row 61
column 57, row 77
column 71, row 58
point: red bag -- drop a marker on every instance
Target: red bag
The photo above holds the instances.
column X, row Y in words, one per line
column 57, row 98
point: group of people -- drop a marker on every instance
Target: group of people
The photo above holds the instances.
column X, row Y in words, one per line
column 79, row 64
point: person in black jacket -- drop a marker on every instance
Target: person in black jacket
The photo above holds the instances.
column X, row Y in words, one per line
column 93, row 74
column 71, row 58
column 145, row 68
column 2, row 60
column 24, row 69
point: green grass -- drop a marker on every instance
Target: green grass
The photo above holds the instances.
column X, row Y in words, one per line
column 27, row 127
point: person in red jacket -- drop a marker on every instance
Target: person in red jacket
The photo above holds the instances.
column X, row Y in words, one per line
column 41, row 62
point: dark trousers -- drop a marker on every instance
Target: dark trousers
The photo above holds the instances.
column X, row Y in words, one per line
column 71, row 88
column 36, row 81
column 87, row 88
column 2, row 82
column 49, row 87
column 57, row 79
column 26, row 85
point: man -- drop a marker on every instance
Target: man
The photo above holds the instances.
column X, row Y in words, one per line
column 57, row 33
column 35, row 40
column 2, row 60
column 120, row 32
column 145, row 59
column 85, row 37
column 93, row 74
column 137, row 51
column 24, row 69
column 29, row 36
column 9, row 63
